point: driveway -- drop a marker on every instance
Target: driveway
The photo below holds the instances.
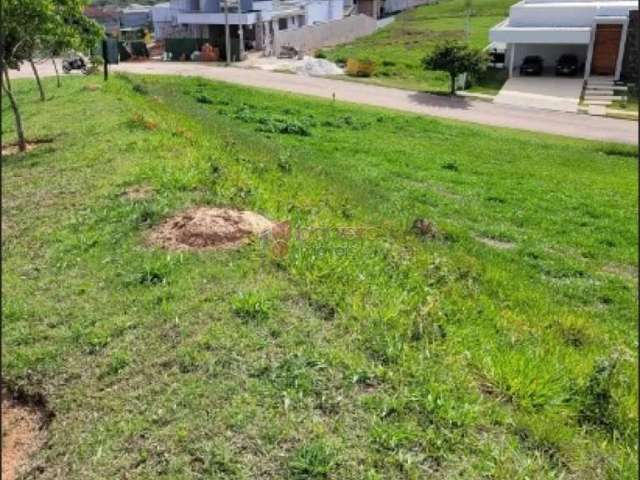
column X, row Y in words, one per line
column 481, row 112
column 549, row 93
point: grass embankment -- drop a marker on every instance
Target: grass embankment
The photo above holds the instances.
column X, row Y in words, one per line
column 504, row 348
column 398, row 49
column 630, row 105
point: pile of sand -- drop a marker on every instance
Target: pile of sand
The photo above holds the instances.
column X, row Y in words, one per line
column 317, row 67
column 209, row 228
column 302, row 66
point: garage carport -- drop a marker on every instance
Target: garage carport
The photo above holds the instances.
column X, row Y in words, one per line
column 547, row 91
column 548, row 42
column 550, row 53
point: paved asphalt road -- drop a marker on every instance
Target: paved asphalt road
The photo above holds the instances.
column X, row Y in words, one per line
column 476, row 111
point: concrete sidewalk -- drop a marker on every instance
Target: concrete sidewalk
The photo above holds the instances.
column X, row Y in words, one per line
column 481, row 112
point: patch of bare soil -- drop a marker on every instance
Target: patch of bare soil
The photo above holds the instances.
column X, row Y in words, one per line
column 209, row 229
column 22, row 434
column 137, row 192
column 499, row 244
column 624, row 271
column 13, row 148
column 425, row 228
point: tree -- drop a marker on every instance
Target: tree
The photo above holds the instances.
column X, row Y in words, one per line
column 27, row 27
column 21, row 20
column 70, row 30
column 456, row 58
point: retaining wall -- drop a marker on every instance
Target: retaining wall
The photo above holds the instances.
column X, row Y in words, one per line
column 326, row 34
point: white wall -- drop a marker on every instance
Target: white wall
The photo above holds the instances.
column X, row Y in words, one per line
column 263, row 5
column 551, row 16
column 317, row 12
column 324, row 11
column 162, row 13
column 565, row 14
column 326, row 34
column 336, row 10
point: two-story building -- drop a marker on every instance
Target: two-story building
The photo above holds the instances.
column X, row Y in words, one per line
column 253, row 24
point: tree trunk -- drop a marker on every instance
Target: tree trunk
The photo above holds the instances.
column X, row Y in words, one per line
column 35, row 73
column 453, row 84
column 6, row 86
column 55, row 67
column 6, row 76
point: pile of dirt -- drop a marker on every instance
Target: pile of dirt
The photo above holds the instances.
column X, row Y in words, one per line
column 22, row 434
column 209, row 228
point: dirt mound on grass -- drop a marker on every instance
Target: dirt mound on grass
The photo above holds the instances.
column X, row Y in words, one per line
column 22, row 434
column 209, row 228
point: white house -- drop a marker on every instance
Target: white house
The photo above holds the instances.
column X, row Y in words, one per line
column 594, row 30
column 254, row 23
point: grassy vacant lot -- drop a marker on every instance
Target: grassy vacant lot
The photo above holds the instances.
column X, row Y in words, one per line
column 399, row 48
column 503, row 348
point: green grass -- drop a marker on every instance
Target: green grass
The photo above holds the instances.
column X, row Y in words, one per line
column 380, row 356
column 399, row 48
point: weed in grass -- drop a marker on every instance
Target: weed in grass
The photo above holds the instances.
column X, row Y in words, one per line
column 204, row 99
column 599, row 406
column 452, row 166
column 575, row 331
column 312, row 461
column 140, row 89
column 254, row 306
column 118, row 361
column 284, row 164
column 138, row 120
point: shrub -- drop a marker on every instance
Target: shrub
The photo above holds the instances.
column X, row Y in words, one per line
column 279, row 125
column 360, row 68
column 320, row 54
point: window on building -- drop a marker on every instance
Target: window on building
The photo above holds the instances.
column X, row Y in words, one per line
column 282, row 24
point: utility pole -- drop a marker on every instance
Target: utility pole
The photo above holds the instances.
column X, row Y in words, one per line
column 467, row 22
column 227, row 37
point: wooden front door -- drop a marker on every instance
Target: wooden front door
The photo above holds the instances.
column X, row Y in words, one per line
column 605, row 50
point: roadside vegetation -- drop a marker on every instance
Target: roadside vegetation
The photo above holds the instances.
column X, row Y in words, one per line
column 479, row 322
column 630, row 105
column 398, row 49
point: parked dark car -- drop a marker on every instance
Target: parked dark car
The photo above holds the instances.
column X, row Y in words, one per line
column 532, row 65
column 568, row 65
